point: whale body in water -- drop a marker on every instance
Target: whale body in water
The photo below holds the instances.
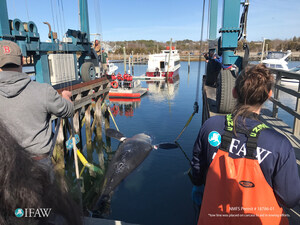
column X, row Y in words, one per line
column 129, row 155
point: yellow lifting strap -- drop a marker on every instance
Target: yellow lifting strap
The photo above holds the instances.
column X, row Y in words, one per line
column 111, row 115
column 185, row 126
column 87, row 164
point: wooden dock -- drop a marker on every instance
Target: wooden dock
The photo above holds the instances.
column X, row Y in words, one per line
column 270, row 118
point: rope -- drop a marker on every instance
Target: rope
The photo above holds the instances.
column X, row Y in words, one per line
column 199, row 64
column 97, row 17
column 26, row 5
column 54, row 137
column 243, row 21
column 53, row 18
column 111, row 115
column 184, row 153
column 196, row 106
column 185, row 126
column 15, row 14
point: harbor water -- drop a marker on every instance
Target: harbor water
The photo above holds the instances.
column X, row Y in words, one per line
column 158, row 192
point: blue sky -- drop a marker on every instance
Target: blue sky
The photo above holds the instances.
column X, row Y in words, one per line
column 119, row 20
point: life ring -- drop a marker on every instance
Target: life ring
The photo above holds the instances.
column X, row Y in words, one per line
column 114, row 84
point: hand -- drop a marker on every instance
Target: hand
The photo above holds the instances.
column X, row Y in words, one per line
column 197, row 194
column 67, row 95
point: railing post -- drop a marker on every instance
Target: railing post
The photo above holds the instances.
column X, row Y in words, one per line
column 297, row 121
column 276, row 94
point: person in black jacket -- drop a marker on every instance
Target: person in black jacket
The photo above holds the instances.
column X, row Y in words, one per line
column 231, row 135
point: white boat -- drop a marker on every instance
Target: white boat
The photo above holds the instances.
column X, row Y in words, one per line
column 292, row 82
column 277, row 60
column 158, row 64
column 295, row 69
column 111, row 68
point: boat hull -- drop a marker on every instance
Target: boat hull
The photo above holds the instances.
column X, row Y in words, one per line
column 121, row 93
column 172, row 77
column 171, row 74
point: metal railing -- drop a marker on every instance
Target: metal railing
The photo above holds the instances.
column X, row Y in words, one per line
column 281, row 76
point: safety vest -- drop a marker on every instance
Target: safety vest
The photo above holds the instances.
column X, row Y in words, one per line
column 236, row 191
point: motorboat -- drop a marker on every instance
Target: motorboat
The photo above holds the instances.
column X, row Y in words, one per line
column 111, row 68
column 277, row 60
column 158, row 64
column 295, row 69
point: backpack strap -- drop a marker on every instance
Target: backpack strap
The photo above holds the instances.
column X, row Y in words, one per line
column 252, row 137
column 228, row 135
column 251, row 143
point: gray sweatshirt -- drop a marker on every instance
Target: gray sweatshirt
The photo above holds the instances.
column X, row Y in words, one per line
column 26, row 107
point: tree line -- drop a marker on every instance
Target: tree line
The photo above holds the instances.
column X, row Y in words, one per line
column 292, row 44
column 152, row 46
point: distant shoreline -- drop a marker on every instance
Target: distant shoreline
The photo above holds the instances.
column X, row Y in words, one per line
column 184, row 57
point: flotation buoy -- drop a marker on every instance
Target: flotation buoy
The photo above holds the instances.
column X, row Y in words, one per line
column 114, row 84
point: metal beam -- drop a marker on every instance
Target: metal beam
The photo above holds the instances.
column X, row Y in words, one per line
column 213, row 19
column 84, row 18
column 4, row 24
column 230, row 30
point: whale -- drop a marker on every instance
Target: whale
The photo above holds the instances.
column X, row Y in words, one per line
column 130, row 154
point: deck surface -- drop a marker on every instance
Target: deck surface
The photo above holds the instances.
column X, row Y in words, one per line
column 210, row 109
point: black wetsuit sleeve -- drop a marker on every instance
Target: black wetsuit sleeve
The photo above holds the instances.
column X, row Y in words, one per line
column 286, row 182
column 198, row 162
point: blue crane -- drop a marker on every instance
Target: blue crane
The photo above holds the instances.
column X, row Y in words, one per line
column 223, row 65
column 74, row 51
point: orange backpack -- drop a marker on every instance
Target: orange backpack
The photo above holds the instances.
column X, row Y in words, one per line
column 236, row 191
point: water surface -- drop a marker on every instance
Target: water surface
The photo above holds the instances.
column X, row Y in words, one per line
column 159, row 190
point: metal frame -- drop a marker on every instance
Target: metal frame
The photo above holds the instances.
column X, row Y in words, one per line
column 30, row 44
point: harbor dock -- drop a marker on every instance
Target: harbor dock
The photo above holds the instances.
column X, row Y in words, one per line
column 270, row 118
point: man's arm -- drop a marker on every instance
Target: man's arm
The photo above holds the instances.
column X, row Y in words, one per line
column 60, row 106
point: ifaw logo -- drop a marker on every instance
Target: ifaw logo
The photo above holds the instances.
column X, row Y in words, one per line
column 31, row 212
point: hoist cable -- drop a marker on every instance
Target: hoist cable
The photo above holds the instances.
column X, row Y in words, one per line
column 199, row 64
column 196, row 106
column 26, row 5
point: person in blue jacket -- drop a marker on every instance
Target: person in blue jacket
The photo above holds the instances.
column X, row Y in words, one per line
column 274, row 152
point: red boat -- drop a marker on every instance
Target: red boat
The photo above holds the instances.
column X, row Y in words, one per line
column 125, row 87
